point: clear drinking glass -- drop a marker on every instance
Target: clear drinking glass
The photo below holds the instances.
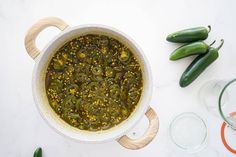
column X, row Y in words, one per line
column 219, row 97
column 209, row 94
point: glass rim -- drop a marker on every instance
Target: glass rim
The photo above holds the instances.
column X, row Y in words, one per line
column 197, row 147
column 220, row 99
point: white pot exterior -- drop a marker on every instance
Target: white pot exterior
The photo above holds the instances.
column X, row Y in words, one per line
column 48, row 114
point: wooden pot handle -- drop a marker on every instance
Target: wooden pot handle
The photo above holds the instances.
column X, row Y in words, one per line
column 33, row 32
column 151, row 132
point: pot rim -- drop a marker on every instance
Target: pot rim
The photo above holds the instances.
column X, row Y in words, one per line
column 112, row 133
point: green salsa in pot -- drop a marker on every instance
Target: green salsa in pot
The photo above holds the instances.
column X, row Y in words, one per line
column 93, row 82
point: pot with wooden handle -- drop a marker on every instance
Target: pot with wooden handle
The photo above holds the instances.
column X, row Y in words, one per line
column 42, row 59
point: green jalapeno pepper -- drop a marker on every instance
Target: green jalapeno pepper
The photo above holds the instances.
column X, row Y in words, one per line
column 189, row 35
column 198, row 65
column 38, row 152
column 198, row 47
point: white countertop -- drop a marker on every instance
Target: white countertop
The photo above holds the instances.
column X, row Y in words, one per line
column 147, row 22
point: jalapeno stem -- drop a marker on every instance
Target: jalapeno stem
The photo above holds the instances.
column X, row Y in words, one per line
column 212, row 43
column 222, row 42
column 209, row 28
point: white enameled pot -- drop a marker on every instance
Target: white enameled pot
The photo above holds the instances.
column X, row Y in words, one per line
column 42, row 59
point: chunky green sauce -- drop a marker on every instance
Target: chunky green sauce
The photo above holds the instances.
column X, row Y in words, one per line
column 93, row 82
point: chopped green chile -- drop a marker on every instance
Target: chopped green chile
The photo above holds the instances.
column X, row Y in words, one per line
column 97, row 70
column 93, row 82
column 124, row 56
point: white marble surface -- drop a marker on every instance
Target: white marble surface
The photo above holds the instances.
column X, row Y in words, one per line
column 148, row 22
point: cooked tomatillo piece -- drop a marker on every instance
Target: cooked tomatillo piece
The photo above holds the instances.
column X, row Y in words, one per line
column 93, row 82
column 198, row 65
column 194, row 48
column 189, row 35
